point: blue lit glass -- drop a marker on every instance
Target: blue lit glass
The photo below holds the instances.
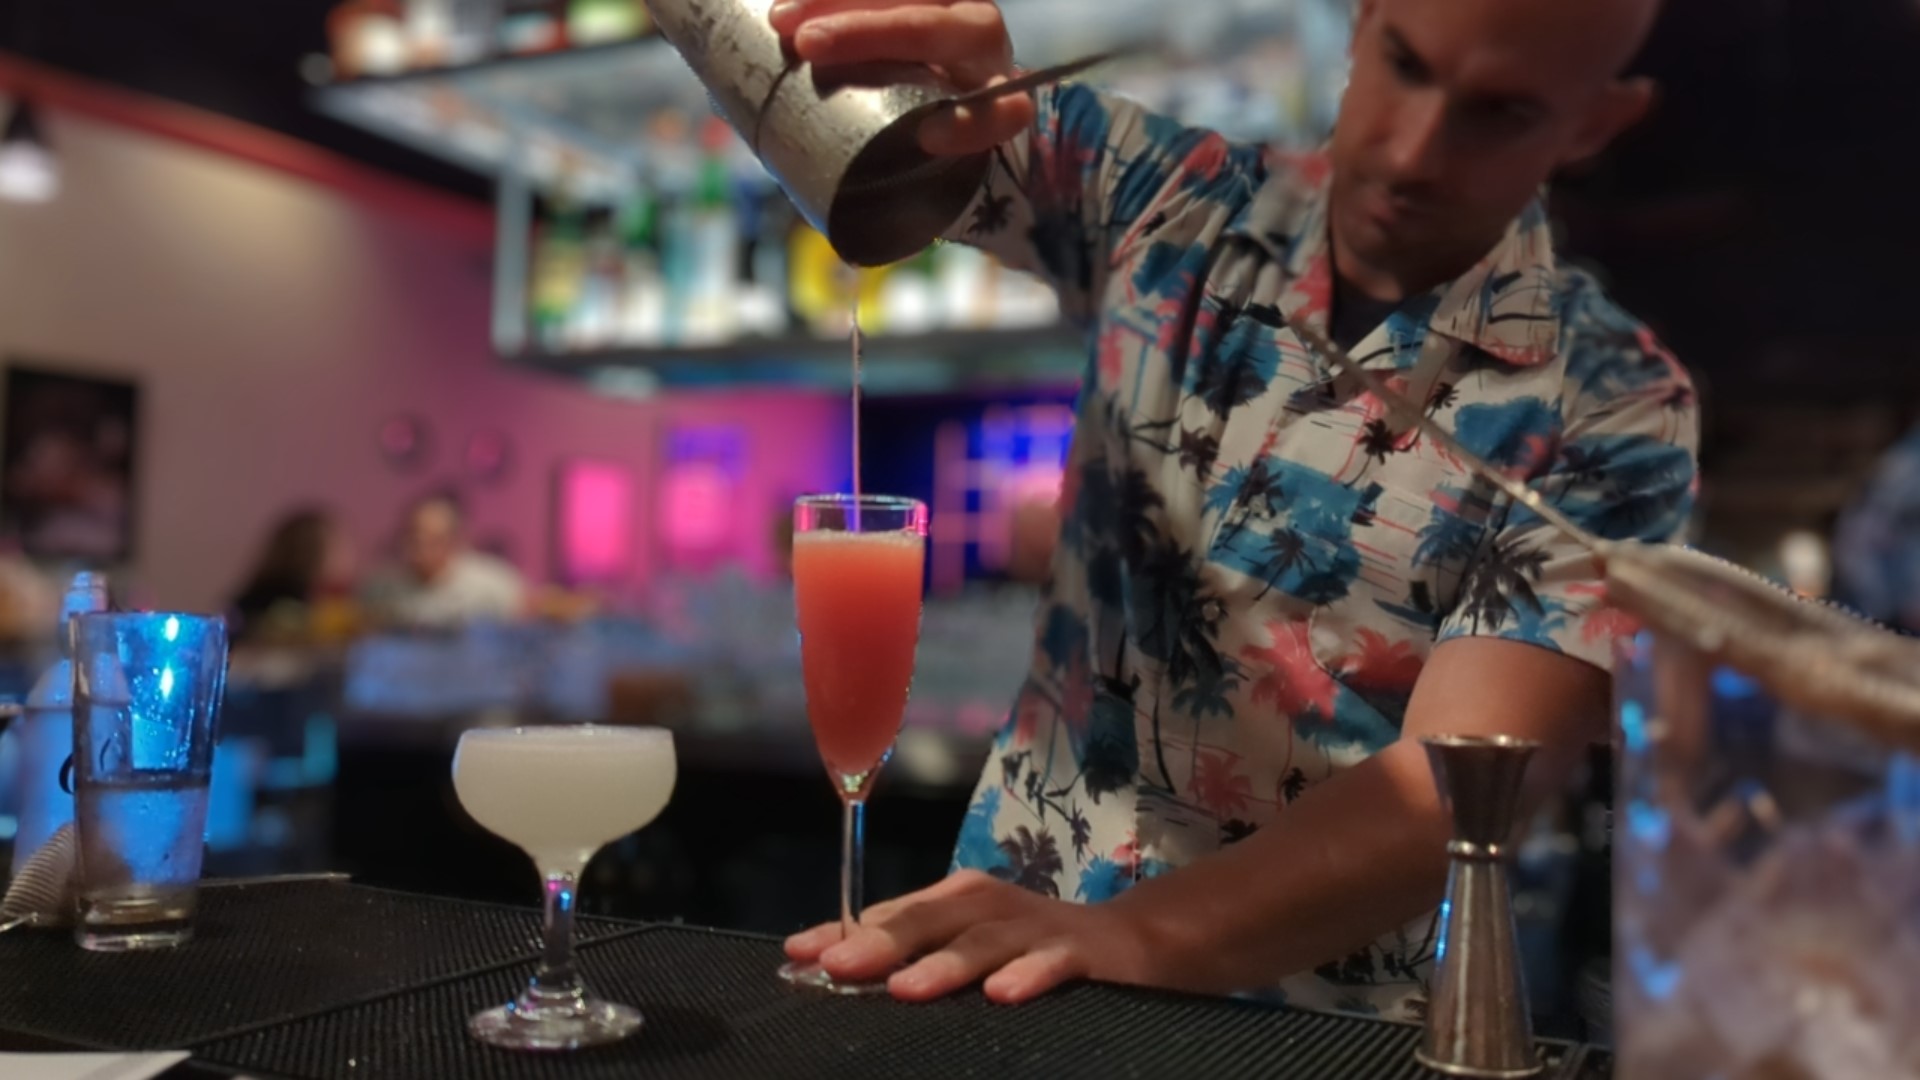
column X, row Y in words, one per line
column 1633, row 726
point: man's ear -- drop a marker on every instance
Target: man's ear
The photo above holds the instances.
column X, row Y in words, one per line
column 1620, row 106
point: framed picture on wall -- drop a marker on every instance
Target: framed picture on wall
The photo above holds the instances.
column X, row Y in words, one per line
column 593, row 517
column 68, row 463
column 697, row 495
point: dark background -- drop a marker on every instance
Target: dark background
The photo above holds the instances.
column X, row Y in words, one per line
column 1762, row 221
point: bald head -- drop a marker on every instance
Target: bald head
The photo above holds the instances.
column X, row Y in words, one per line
column 1586, row 40
column 1457, row 111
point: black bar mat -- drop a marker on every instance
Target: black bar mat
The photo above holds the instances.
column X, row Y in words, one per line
column 260, row 953
column 715, row 1009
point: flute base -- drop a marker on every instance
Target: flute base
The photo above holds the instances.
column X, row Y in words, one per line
column 534, row 1024
column 815, row 977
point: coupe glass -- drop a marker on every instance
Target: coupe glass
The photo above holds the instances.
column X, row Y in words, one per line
column 858, row 564
column 560, row 794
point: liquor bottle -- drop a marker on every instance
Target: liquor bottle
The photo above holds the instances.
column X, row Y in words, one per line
column 760, row 266
column 813, row 282
column 559, row 259
column 531, row 26
column 675, row 172
column 471, row 37
column 715, row 237
column 962, row 285
column 446, row 33
column 597, row 22
column 367, row 37
column 45, row 731
column 643, row 299
column 909, row 301
column 771, row 268
column 595, row 318
column 429, row 25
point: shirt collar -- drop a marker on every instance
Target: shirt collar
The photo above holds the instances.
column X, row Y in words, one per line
column 1503, row 306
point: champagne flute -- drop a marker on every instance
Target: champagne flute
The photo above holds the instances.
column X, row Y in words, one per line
column 858, row 562
column 560, row 794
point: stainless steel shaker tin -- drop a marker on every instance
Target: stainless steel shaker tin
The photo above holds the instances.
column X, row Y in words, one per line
column 836, row 141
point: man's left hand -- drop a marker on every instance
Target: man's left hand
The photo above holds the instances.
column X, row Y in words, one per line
column 971, row 927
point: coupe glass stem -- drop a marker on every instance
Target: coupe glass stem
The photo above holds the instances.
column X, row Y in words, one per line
column 853, row 857
column 557, row 982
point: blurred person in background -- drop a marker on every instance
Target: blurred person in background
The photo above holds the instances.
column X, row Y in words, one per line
column 1267, row 589
column 1876, row 544
column 440, row 582
column 300, row 581
column 29, row 598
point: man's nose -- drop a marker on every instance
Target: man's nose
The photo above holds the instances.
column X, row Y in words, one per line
column 1417, row 147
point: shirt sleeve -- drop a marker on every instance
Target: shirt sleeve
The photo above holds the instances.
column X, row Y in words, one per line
column 1067, row 199
column 1626, row 469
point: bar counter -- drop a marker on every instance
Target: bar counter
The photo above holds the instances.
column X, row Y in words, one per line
column 291, row 981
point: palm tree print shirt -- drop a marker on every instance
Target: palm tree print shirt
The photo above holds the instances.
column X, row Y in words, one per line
column 1255, row 560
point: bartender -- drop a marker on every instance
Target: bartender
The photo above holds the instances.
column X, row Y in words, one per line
column 1266, row 589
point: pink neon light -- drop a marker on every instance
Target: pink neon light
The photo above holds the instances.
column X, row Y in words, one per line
column 699, row 507
column 596, row 523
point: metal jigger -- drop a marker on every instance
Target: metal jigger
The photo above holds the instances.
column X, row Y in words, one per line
column 1477, row 1022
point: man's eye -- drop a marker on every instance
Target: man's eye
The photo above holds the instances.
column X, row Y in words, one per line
column 1505, row 115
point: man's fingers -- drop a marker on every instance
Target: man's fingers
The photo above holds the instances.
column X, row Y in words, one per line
column 891, row 934
column 1037, row 971
column 953, row 884
column 807, row 945
column 880, row 946
column 964, row 961
column 967, row 39
column 787, row 15
column 961, row 131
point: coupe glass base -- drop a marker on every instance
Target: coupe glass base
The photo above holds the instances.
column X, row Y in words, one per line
column 588, row 1022
column 815, row 977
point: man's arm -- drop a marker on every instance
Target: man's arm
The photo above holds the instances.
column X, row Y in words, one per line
column 1360, row 853
column 1366, row 850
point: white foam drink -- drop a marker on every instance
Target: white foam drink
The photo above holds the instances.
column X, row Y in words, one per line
column 561, row 793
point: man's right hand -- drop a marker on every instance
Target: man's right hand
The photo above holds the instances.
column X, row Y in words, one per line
column 964, row 39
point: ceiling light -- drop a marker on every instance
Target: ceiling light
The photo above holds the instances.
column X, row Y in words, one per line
column 29, row 172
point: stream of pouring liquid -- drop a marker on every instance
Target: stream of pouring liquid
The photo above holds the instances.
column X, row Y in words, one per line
column 856, row 400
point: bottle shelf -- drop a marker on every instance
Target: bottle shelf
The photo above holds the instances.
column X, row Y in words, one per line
column 577, row 116
column 590, row 126
column 940, row 362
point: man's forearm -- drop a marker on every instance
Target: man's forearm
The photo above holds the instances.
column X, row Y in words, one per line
column 1356, row 856
column 1365, row 851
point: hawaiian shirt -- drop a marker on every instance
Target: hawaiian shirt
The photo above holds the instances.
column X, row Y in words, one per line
column 1255, row 560
column 1877, row 545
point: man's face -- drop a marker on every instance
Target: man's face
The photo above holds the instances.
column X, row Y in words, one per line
column 1457, row 111
column 433, row 537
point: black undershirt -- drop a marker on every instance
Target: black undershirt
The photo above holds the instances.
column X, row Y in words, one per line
column 1355, row 314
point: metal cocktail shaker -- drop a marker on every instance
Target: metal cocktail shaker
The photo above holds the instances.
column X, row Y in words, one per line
column 835, row 141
